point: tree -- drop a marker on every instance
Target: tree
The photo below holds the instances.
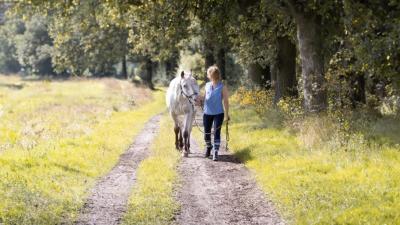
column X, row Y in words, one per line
column 286, row 83
column 371, row 29
column 8, row 57
column 346, row 83
column 88, row 35
column 34, row 47
column 315, row 21
column 86, row 40
column 214, row 16
column 252, row 42
column 263, row 41
column 209, row 56
column 259, row 75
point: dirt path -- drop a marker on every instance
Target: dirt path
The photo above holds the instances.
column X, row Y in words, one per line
column 222, row 192
column 108, row 199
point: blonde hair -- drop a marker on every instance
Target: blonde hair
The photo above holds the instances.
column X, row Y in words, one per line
column 213, row 73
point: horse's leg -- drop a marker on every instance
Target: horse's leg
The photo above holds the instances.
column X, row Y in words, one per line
column 189, row 142
column 186, row 132
column 193, row 117
column 180, row 140
column 185, row 140
column 176, row 130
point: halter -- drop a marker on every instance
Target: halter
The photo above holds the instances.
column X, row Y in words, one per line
column 189, row 97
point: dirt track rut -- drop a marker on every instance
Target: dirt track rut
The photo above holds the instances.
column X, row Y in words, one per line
column 222, row 192
column 108, row 200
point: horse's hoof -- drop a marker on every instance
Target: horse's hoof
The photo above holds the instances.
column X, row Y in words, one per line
column 185, row 154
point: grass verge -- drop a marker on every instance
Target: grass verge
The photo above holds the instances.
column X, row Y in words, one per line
column 152, row 199
column 360, row 186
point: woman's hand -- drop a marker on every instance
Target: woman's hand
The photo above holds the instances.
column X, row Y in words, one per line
column 199, row 100
column 227, row 118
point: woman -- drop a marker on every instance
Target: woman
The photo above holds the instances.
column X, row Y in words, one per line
column 216, row 105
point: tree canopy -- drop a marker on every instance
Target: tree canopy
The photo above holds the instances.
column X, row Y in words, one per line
column 316, row 50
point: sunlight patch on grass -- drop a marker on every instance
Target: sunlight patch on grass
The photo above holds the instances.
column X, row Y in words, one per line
column 152, row 199
column 46, row 110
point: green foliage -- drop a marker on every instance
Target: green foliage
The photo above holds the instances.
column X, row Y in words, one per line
column 87, row 35
column 92, row 36
column 87, row 40
column 157, row 27
column 8, row 58
column 344, row 80
column 372, row 28
column 192, row 61
column 214, row 17
column 359, row 37
column 34, row 47
column 254, row 32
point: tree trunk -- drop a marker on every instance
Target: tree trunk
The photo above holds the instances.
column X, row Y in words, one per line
column 171, row 66
column 274, row 72
column 209, row 57
column 312, row 62
column 124, row 71
column 168, row 68
column 357, row 93
column 267, row 76
column 149, row 73
column 221, row 62
column 259, row 75
column 286, row 84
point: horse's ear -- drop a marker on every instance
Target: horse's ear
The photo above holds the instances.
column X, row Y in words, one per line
column 182, row 74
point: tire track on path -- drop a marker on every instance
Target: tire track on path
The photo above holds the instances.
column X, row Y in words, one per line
column 222, row 192
column 108, row 199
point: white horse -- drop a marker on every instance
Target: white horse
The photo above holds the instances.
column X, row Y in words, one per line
column 181, row 96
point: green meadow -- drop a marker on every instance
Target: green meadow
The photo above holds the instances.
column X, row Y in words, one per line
column 57, row 137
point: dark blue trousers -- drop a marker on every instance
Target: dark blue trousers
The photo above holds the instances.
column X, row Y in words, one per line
column 208, row 121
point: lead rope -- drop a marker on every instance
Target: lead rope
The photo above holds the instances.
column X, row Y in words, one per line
column 227, row 135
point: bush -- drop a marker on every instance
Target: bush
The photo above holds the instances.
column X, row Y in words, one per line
column 34, row 47
column 8, row 60
column 337, row 129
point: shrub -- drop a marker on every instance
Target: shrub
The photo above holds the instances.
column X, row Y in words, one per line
column 339, row 128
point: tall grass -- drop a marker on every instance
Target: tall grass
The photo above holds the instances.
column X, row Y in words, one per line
column 47, row 182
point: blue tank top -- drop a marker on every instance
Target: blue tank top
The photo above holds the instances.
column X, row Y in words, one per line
column 213, row 99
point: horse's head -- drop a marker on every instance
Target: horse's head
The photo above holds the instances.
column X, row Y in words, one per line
column 189, row 86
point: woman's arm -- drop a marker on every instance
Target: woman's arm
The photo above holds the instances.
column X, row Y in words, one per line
column 225, row 99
